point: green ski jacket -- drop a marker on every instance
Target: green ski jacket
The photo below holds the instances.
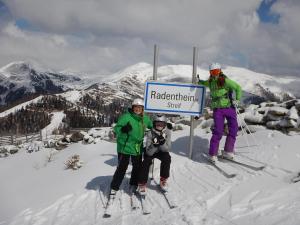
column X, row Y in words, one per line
column 131, row 143
column 221, row 95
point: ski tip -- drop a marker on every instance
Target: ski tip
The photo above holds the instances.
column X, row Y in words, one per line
column 231, row 175
column 106, row 215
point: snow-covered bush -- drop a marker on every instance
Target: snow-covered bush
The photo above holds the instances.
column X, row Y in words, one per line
column 8, row 149
column 32, row 147
column 3, row 152
column 51, row 143
column 74, row 162
column 87, row 139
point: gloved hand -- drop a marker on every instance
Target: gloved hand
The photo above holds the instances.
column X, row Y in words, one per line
column 126, row 128
column 162, row 138
column 236, row 103
column 196, row 117
column 169, row 126
column 155, row 142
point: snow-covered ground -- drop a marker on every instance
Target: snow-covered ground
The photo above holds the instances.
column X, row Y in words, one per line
column 38, row 192
column 56, row 120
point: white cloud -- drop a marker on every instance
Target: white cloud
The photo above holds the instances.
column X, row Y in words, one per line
column 102, row 36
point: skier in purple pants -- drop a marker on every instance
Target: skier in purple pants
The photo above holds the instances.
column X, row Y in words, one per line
column 223, row 105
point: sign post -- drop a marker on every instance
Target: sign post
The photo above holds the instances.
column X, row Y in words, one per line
column 155, row 62
column 191, row 141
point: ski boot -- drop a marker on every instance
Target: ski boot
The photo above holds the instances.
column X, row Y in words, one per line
column 163, row 184
column 213, row 159
column 227, row 155
column 141, row 189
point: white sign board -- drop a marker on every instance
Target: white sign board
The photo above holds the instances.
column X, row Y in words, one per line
column 187, row 99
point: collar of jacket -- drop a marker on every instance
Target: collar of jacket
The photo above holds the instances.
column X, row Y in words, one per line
column 158, row 132
column 135, row 116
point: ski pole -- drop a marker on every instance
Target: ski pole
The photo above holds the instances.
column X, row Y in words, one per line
column 152, row 170
column 241, row 122
column 126, row 138
column 247, row 128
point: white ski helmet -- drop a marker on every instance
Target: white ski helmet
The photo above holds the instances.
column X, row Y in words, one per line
column 214, row 66
column 138, row 101
column 160, row 118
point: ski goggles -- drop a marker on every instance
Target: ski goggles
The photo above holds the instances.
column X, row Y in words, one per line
column 215, row 72
column 160, row 123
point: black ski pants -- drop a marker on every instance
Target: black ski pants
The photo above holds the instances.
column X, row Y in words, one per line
column 123, row 161
column 165, row 159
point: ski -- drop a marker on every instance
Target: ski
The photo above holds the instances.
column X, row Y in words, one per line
column 168, row 197
column 109, row 205
column 296, row 179
column 219, row 168
column 145, row 205
column 133, row 200
column 256, row 168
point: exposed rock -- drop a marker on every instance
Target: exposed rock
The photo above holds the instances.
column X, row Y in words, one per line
column 293, row 114
column 254, row 117
column 77, row 136
column 278, row 111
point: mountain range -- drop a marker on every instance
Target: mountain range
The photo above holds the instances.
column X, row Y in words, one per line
column 20, row 79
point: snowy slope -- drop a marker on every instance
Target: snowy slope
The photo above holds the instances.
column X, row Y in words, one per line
column 39, row 192
column 56, row 120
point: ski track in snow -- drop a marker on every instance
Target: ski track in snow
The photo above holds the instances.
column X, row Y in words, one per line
column 203, row 196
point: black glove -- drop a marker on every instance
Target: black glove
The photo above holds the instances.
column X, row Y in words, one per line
column 126, row 128
column 162, row 138
column 169, row 126
column 196, row 117
column 155, row 142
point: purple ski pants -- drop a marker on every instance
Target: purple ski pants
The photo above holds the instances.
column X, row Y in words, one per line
column 219, row 115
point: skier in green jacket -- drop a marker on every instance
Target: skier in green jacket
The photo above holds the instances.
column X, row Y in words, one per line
column 223, row 105
column 130, row 131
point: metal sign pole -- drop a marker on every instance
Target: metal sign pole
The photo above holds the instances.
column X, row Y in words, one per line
column 155, row 62
column 195, row 59
column 154, row 78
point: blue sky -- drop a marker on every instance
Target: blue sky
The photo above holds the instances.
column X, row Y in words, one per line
column 265, row 15
column 98, row 36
